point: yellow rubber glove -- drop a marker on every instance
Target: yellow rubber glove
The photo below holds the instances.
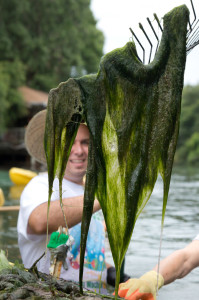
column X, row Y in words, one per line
column 143, row 288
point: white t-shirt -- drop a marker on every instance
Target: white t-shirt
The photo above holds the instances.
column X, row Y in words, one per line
column 33, row 246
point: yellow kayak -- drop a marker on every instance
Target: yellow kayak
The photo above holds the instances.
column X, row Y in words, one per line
column 21, row 176
column 15, row 191
column 2, row 198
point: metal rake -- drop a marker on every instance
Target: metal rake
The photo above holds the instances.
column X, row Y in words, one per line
column 192, row 35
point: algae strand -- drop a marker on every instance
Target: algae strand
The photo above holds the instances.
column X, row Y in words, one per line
column 132, row 112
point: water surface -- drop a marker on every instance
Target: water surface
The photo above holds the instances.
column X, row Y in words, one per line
column 181, row 226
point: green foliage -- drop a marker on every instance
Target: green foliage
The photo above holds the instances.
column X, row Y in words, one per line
column 188, row 143
column 53, row 39
column 4, row 264
column 42, row 43
column 12, row 105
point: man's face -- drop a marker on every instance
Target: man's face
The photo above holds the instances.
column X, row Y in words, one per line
column 78, row 159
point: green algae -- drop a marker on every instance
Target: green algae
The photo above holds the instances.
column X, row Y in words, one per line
column 132, row 112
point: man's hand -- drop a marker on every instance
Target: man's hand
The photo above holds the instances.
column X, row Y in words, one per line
column 143, row 288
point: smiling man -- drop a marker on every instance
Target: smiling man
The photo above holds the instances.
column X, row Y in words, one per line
column 32, row 221
column 77, row 162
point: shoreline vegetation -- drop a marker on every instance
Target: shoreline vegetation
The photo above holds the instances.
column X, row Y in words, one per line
column 187, row 151
column 16, row 282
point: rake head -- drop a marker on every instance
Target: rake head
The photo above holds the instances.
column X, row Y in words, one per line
column 192, row 35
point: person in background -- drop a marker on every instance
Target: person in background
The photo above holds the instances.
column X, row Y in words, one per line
column 32, row 220
column 175, row 266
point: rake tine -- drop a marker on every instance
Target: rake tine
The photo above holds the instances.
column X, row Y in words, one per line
column 192, row 46
column 142, row 28
column 154, row 33
column 190, row 29
column 157, row 20
column 196, row 39
column 191, row 33
column 139, row 44
column 193, row 38
column 190, row 24
column 193, row 12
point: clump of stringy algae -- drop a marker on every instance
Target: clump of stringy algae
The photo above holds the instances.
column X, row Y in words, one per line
column 132, row 112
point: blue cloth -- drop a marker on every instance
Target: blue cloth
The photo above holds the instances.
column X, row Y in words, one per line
column 95, row 246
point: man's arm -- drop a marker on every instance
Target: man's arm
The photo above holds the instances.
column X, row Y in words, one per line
column 73, row 208
column 175, row 266
column 179, row 263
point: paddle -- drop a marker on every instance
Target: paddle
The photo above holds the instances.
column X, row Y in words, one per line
column 10, row 208
column 6, row 208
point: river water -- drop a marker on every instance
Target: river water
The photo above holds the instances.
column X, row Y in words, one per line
column 180, row 227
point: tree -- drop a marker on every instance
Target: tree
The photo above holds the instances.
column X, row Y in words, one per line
column 12, row 106
column 188, row 142
column 44, row 42
column 54, row 39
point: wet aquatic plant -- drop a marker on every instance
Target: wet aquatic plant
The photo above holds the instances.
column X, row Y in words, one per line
column 132, row 112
